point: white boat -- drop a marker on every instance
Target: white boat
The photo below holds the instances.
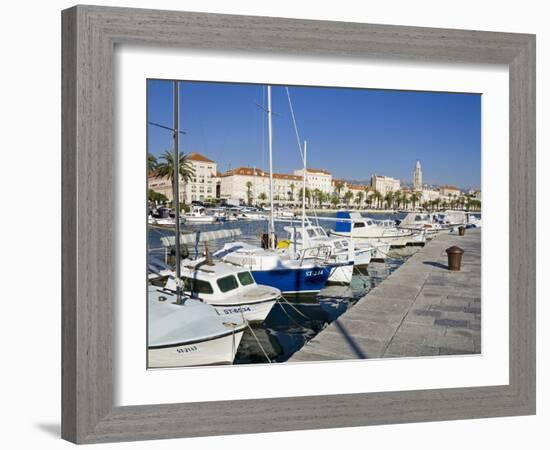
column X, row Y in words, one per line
column 425, row 222
column 191, row 333
column 228, row 288
column 352, row 224
column 198, row 215
column 342, row 250
column 223, row 214
column 453, row 219
column 281, row 213
column 250, row 213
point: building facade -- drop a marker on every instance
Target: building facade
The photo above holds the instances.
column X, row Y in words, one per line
column 201, row 187
column 246, row 183
column 317, row 179
column 384, row 184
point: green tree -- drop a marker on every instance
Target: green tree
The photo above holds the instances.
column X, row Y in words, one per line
column 335, row 200
column 249, row 192
column 156, row 197
column 292, row 187
column 414, row 199
column 262, row 197
column 151, row 162
column 347, row 197
column 359, row 198
column 165, row 168
column 338, row 186
column 389, row 200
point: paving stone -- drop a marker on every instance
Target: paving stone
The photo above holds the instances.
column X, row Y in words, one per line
column 396, row 350
column 451, row 323
column 422, row 309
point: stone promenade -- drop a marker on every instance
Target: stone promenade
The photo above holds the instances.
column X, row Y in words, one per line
column 422, row 309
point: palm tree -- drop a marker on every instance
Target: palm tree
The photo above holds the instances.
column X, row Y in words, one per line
column 262, row 197
column 397, row 197
column 389, row 200
column 151, row 162
column 359, row 198
column 347, row 197
column 378, row 197
column 414, row 199
column 165, row 169
column 366, row 191
column 308, row 195
column 334, row 200
column 292, row 187
column 338, row 185
column 249, row 192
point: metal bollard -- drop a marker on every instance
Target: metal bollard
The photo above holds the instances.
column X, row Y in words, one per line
column 461, row 230
column 454, row 256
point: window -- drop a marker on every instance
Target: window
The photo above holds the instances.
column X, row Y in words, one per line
column 311, row 233
column 245, row 278
column 197, row 286
column 228, row 283
column 359, row 225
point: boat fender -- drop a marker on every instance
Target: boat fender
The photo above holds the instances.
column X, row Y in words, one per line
column 285, row 243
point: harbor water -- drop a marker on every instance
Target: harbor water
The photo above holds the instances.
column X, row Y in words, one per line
column 294, row 320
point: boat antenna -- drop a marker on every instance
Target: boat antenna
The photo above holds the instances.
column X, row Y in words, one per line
column 176, row 178
column 270, row 146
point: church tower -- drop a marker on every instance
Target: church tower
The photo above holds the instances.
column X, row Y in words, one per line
column 417, row 177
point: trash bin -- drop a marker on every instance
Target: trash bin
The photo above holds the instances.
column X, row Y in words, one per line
column 454, row 256
column 461, row 230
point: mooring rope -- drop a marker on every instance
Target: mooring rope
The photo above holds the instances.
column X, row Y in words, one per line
column 294, row 308
column 255, row 337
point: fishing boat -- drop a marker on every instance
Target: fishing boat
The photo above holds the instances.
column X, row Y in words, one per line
column 198, row 215
column 418, row 236
column 230, row 289
column 425, row 222
column 352, row 224
column 342, row 250
column 289, row 274
column 453, row 219
column 189, row 332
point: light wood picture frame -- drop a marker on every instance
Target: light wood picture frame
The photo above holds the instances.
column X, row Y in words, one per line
column 90, row 34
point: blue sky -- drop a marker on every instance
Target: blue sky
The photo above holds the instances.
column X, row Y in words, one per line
column 353, row 133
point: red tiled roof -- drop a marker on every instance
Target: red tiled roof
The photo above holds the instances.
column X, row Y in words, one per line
column 198, row 157
column 248, row 171
column 326, row 172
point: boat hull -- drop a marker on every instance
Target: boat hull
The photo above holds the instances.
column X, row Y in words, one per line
column 219, row 350
column 252, row 312
column 341, row 274
column 294, row 281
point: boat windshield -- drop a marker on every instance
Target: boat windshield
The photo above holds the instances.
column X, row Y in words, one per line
column 359, row 225
column 311, row 232
column 227, row 283
column 245, row 278
column 196, row 286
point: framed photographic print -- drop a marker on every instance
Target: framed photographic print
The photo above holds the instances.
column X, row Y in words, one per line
column 308, row 223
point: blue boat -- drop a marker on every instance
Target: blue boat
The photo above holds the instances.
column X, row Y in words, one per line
column 279, row 270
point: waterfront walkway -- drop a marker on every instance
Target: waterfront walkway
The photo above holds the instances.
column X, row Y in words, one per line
column 422, row 309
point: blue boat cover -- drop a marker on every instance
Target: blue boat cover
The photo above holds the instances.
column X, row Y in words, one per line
column 343, row 226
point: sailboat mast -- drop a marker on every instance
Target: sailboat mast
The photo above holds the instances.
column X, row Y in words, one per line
column 304, row 187
column 176, row 178
column 270, row 146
